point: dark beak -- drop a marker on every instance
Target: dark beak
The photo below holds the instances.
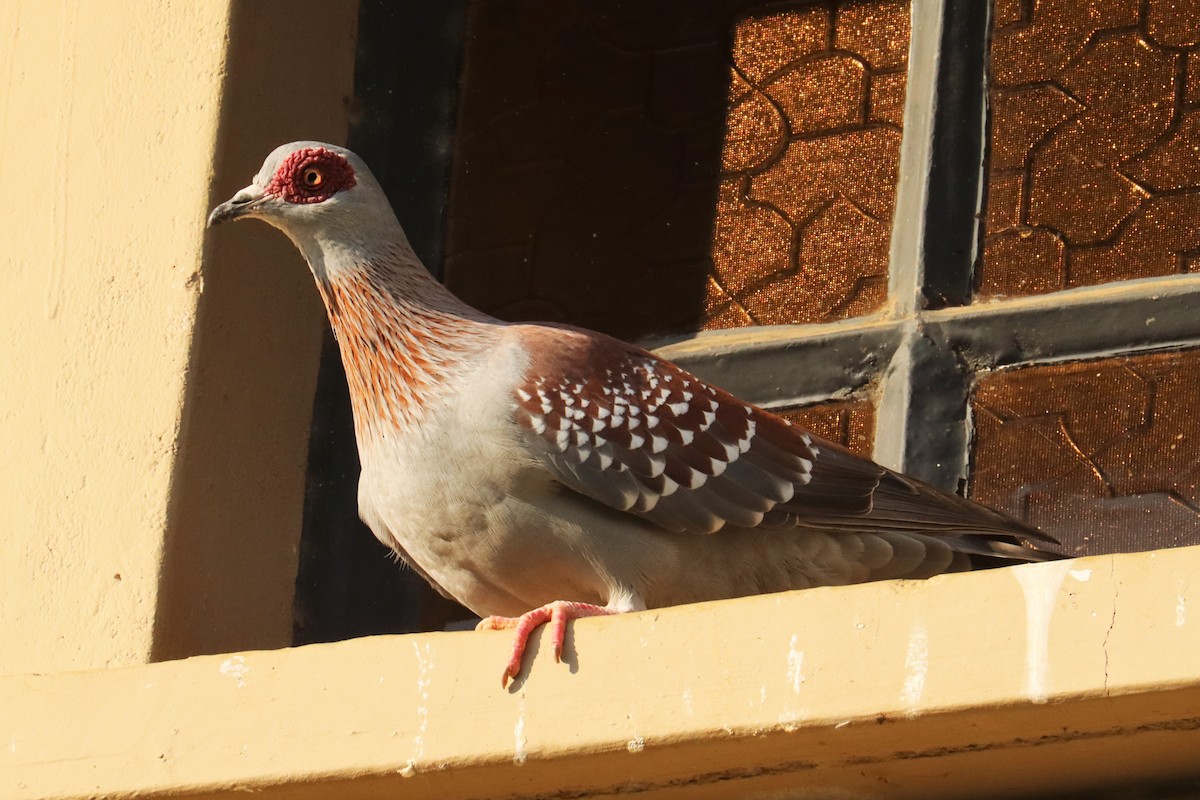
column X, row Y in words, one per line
column 239, row 205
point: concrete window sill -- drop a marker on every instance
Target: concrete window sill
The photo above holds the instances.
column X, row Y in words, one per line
column 1022, row 680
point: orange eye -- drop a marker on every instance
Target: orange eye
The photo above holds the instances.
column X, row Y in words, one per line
column 312, row 177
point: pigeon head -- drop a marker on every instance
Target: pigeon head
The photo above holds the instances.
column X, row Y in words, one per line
column 311, row 191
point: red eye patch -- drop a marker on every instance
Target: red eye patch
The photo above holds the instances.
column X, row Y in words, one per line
column 311, row 175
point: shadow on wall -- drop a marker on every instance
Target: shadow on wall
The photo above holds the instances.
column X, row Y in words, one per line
column 229, row 559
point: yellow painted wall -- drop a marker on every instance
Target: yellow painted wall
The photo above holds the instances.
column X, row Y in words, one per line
column 154, row 391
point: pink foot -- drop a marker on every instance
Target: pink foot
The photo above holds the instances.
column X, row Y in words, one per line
column 557, row 614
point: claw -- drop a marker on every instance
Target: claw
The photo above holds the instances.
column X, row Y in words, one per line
column 558, row 614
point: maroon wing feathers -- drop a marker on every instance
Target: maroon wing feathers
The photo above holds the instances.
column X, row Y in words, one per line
column 639, row 434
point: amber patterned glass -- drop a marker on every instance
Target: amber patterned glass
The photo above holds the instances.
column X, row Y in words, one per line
column 1095, row 144
column 1103, row 454
column 644, row 167
column 809, row 165
column 850, row 423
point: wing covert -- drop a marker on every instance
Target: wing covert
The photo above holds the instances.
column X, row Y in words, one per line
column 639, row 434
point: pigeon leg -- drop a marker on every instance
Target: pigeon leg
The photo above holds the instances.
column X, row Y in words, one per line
column 557, row 614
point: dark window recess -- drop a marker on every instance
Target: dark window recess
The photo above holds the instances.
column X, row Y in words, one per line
column 402, row 118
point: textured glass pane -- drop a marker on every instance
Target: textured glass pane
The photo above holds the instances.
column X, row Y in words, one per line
column 850, row 423
column 1095, row 148
column 1103, row 454
column 643, row 167
column 809, row 165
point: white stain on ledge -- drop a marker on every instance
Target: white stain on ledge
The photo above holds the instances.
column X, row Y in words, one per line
column 636, row 745
column 1180, row 611
column 916, row 667
column 1040, row 584
column 235, row 667
column 519, row 736
column 795, row 665
column 424, row 675
column 1081, row 575
column 791, row 716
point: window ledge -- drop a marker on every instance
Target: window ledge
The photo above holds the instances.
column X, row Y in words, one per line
column 1036, row 678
